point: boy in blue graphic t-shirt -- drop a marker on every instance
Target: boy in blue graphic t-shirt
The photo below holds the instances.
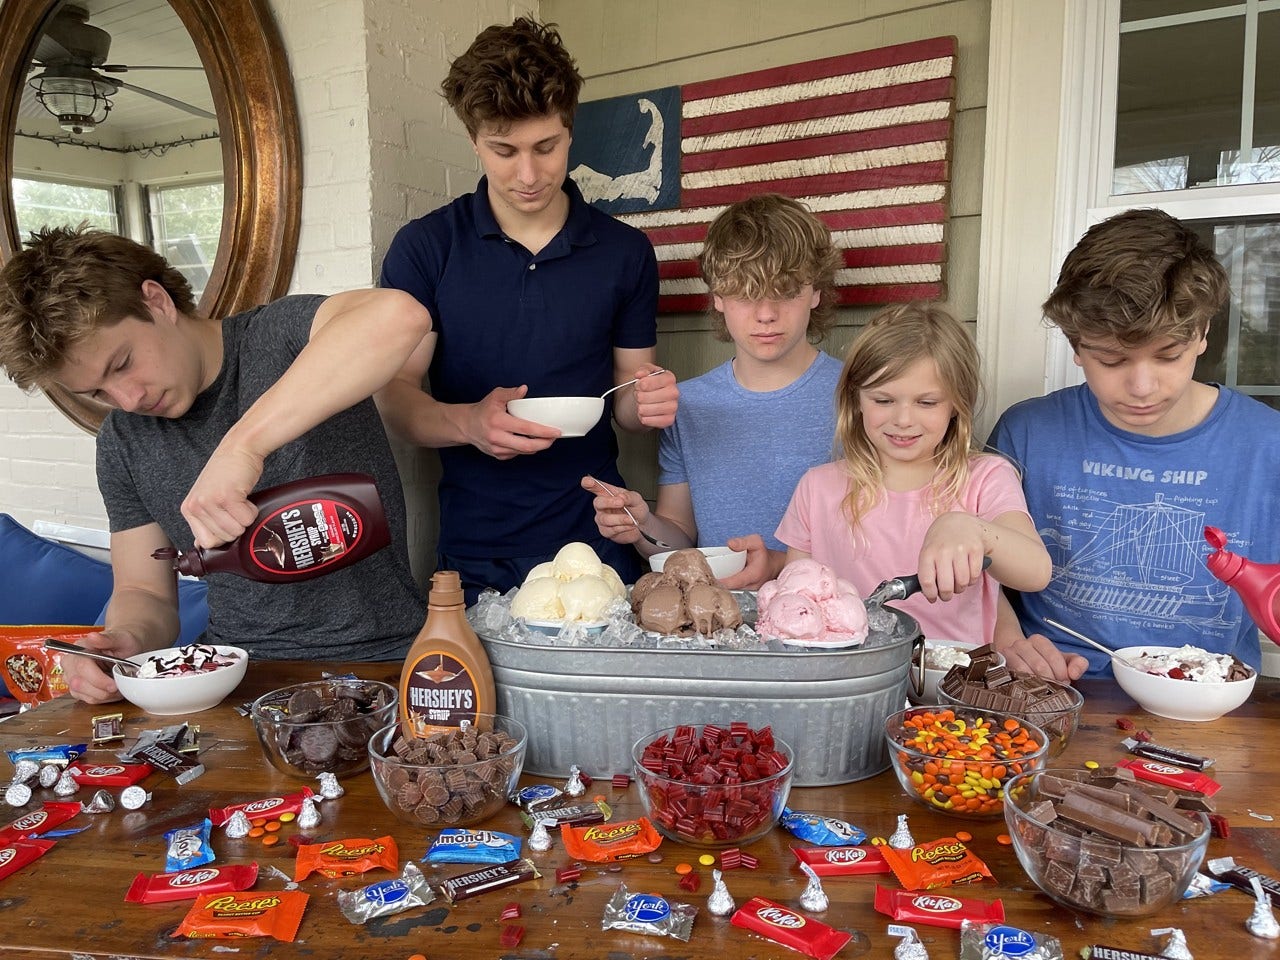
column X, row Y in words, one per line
column 1123, row 473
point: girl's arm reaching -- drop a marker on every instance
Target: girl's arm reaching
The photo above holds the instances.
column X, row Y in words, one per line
column 956, row 542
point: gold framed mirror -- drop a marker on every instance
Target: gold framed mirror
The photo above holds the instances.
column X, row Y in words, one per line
column 248, row 75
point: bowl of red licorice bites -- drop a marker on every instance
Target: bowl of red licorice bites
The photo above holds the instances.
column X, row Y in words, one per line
column 713, row 785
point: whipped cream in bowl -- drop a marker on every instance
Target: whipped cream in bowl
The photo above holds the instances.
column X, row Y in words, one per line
column 1183, row 683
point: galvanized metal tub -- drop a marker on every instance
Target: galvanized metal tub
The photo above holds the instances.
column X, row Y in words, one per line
column 588, row 706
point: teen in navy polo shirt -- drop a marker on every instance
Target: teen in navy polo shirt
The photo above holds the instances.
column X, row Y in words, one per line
column 531, row 292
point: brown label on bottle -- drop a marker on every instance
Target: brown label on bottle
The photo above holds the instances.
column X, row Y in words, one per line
column 439, row 692
column 305, row 535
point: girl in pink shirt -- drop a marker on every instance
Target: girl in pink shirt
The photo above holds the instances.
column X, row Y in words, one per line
column 912, row 494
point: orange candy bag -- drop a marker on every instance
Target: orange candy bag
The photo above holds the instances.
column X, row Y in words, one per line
column 251, row 913
column 30, row 672
column 345, row 858
column 604, row 842
column 938, row 863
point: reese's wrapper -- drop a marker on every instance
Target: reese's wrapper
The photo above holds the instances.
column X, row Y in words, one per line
column 52, row 814
column 606, row 842
column 938, row 863
column 346, row 858
column 189, row 884
column 252, row 913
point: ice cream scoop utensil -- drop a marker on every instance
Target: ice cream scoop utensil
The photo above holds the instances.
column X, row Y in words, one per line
column 1090, row 641
column 63, row 647
column 899, row 588
column 613, row 493
column 651, row 373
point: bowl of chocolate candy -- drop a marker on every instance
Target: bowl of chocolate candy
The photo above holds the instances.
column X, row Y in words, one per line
column 713, row 786
column 181, row 680
column 957, row 760
column 988, row 684
column 452, row 776
column 931, row 661
column 1103, row 842
column 322, row 726
column 1183, row 683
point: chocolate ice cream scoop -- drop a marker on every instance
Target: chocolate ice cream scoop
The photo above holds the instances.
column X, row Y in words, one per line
column 687, row 567
column 711, row 608
column 662, row 610
column 642, row 588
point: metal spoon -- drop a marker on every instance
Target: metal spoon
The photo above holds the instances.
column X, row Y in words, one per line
column 63, row 647
column 613, row 493
column 652, row 373
column 1091, row 642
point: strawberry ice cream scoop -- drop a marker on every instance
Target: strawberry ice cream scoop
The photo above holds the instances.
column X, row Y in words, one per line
column 808, row 605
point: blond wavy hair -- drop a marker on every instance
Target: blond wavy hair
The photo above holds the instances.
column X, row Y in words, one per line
column 768, row 247
column 891, row 342
column 66, row 285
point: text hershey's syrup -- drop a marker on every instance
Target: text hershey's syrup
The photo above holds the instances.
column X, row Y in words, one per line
column 305, row 528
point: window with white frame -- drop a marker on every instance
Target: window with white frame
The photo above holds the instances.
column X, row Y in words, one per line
column 1187, row 119
column 54, row 203
column 186, row 222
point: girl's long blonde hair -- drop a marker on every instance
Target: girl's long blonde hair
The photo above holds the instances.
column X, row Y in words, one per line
column 896, row 338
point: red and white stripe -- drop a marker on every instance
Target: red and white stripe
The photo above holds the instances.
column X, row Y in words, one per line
column 863, row 140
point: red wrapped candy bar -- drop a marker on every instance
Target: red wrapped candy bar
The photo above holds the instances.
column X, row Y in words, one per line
column 268, row 807
column 189, row 884
column 253, row 913
column 52, row 814
column 936, row 909
column 1171, row 776
column 16, row 854
column 345, row 858
column 842, row 861
column 95, row 775
column 791, row 929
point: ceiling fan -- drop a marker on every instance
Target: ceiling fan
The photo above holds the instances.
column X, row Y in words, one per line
column 73, row 86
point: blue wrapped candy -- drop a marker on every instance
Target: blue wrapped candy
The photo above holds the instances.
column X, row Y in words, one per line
column 822, row 831
column 473, row 846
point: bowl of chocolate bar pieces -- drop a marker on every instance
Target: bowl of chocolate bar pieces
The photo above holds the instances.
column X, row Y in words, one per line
column 1183, row 683
column 448, row 776
column 179, row 680
column 322, row 726
column 985, row 682
column 1103, row 842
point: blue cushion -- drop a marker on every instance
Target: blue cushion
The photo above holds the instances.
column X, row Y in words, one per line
column 46, row 582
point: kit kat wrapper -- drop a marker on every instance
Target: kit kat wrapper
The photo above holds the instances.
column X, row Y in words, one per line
column 1171, row 776
column 842, row 861
column 936, row 909
column 17, row 854
column 794, row 930
column 270, row 807
column 189, row 884
column 54, row 813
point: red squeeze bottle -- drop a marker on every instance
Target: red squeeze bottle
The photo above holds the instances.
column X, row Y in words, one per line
column 1257, row 583
column 305, row 528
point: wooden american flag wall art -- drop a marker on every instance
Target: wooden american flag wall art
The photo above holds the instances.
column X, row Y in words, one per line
column 862, row 139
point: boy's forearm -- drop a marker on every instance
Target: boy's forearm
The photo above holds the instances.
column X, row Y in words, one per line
column 419, row 418
column 152, row 621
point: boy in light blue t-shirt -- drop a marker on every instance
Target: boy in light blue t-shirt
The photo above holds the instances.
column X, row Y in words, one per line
column 747, row 431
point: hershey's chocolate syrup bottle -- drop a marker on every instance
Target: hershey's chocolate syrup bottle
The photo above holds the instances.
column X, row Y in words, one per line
column 446, row 677
column 1258, row 584
column 305, row 528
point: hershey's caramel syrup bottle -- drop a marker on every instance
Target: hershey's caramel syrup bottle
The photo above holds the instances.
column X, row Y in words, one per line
column 446, row 677
column 305, row 528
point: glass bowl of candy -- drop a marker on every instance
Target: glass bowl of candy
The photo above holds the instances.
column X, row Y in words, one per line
column 957, row 760
column 448, row 776
column 182, row 680
column 1098, row 841
column 322, row 726
column 1052, row 706
column 713, row 786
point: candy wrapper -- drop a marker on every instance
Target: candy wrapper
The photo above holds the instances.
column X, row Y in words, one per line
column 938, row 863
column 268, row 807
column 96, row 775
column 649, row 914
column 821, row 831
column 540, row 837
column 189, row 884
column 603, row 843
column 61, row 754
column 996, row 941
column 720, row 903
column 490, row 878
column 16, row 854
column 842, row 861
column 1262, row 921
column 536, row 796
column 253, row 913
column 345, row 858
column 188, row 847
column 814, row 899
column 937, row 910
column 782, row 925
column 909, row 947
column 473, row 846
column 33, row 673
column 51, row 815
column 387, row 897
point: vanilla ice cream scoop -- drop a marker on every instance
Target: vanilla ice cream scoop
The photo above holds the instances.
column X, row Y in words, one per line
column 538, row 599
column 576, row 560
column 584, row 598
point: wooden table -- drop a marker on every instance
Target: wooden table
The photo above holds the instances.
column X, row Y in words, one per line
column 72, row 900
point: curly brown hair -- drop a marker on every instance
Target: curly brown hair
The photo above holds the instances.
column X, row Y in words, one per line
column 513, row 73
column 68, row 283
column 1135, row 277
column 766, row 248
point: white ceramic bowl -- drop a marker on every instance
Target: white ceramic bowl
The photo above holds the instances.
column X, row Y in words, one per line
column 1179, row 699
column 572, row 416
column 933, row 674
column 174, row 696
column 722, row 561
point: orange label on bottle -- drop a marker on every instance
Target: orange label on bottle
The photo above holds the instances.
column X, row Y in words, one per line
column 438, row 691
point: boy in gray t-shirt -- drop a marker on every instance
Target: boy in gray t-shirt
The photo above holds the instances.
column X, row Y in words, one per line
column 206, row 411
column 748, row 430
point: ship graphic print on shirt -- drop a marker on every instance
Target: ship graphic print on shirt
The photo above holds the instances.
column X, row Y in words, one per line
column 1140, row 562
